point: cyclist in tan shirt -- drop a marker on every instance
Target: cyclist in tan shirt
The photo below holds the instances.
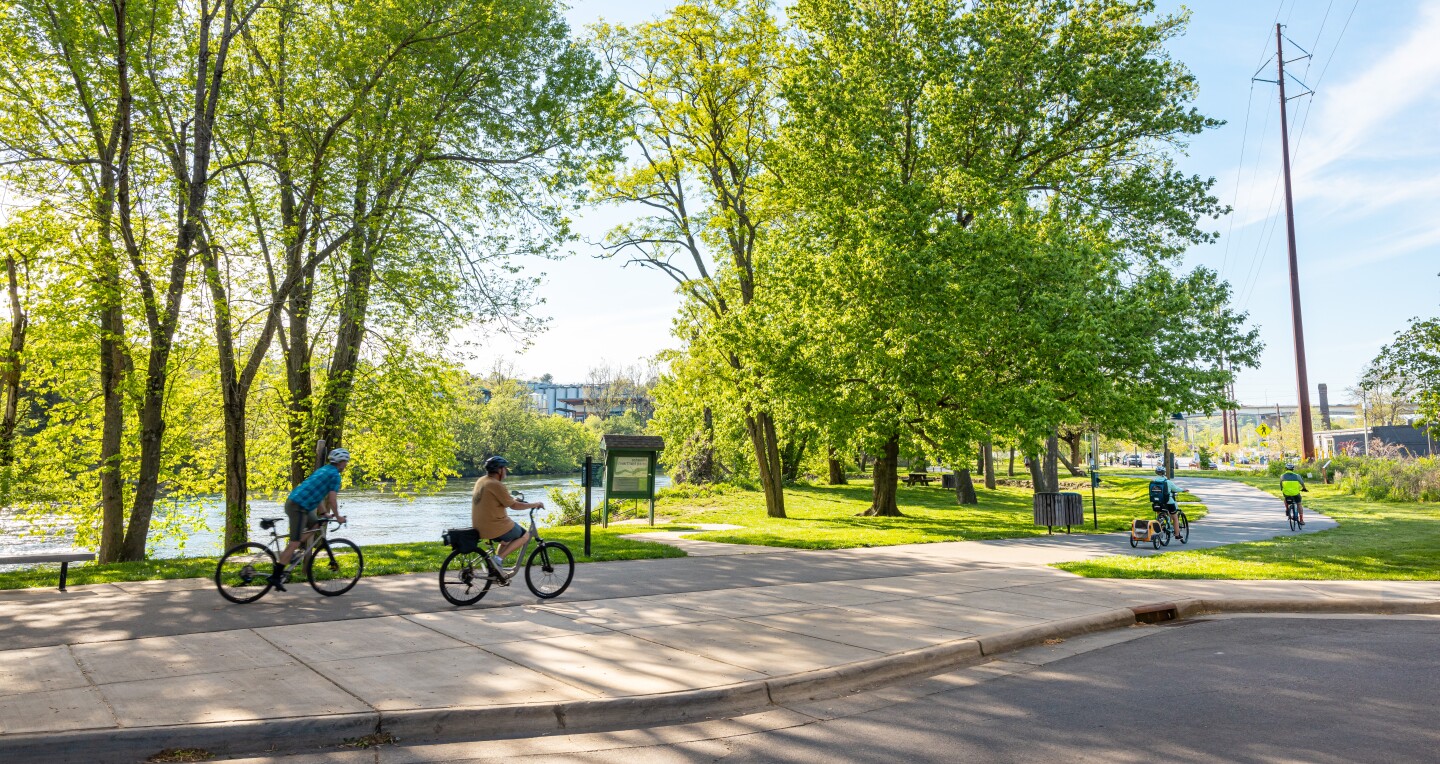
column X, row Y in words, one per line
column 488, row 503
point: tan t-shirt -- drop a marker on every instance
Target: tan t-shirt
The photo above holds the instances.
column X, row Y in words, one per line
column 487, row 507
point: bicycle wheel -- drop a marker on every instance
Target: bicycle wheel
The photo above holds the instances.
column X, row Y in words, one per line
column 1294, row 520
column 1165, row 531
column 243, row 574
column 464, row 578
column 333, row 567
column 1182, row 527
column 549, row 570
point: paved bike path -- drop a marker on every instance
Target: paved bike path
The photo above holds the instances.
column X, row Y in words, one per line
column 92, row 662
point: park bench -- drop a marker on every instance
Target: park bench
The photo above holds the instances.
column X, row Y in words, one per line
column 923, row 478
column 64, row 558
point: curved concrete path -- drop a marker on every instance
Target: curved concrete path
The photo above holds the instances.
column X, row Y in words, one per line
column 171, row 659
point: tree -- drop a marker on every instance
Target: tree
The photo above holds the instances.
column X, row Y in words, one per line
column 963, row 243
column 1411, row 362
column 699, row 87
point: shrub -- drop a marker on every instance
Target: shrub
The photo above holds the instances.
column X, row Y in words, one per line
column 569, row 503
column 1389, row 479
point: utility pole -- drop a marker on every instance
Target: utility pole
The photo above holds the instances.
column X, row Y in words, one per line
column 1307, row 431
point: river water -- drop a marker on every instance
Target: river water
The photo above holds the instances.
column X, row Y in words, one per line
column 375, row 517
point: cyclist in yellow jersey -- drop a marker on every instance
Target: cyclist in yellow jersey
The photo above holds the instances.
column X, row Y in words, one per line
column 1291, row 484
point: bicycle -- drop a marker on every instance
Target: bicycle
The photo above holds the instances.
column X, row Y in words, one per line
column 1292, row 512
column 471, row 568
column 1177, row 527
column 332, row 565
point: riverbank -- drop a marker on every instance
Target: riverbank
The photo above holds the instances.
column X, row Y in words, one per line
column 377, row 516
column 380, row 559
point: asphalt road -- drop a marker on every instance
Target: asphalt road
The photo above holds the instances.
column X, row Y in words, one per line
column 1243, row 689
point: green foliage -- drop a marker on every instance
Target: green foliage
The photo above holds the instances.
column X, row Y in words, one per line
column 1411, row 363
column 1206, row 457
column 509, row 426
column 1412, row 480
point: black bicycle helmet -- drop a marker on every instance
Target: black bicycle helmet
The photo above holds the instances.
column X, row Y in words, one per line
column 494, row 464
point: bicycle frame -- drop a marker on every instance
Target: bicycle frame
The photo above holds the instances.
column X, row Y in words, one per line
column 534, row 538
column 309, row 539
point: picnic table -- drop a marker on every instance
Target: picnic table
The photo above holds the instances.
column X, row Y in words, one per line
column 923, row 478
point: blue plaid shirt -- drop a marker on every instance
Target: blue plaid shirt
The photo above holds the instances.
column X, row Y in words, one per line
column 315, row 488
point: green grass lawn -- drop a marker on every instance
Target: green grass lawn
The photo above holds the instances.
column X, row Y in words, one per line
column 380, row 559
column 1376, row 540
column 826, row 517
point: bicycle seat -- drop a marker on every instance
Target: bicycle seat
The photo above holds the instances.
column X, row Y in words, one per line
column 269, row 522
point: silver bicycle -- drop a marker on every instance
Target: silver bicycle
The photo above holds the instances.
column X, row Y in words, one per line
column 473, row 565
column 332, row 565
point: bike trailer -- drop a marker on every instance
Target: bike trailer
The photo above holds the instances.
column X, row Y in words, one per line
column 1144, row 531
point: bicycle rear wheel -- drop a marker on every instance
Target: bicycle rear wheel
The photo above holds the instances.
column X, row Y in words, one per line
column 243, row 574
column 1182, row 527
column 464, row 578
column 334, row 566
column 1166, row 531
column 549, row 570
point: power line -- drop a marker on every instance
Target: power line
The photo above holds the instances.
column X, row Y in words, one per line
column 1239, row 171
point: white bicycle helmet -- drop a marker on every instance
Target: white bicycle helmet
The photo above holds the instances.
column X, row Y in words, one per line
column 338, row 455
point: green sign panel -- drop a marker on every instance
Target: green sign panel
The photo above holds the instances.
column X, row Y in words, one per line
column 630, row 474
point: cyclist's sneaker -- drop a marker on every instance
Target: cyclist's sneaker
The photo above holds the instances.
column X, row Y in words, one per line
column 277, row 580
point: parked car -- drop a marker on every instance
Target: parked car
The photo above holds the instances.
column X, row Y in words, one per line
column 1133, row 460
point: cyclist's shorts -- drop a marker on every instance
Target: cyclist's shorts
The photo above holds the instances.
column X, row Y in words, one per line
column 515, row 532
column 300, row 518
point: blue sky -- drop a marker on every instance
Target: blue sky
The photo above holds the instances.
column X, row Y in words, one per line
column 1367, row 184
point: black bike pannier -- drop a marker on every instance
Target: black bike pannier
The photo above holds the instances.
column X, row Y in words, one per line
column 461, row 539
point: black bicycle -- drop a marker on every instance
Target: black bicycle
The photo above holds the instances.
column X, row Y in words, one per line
column 1177, row 527
column 332, row 565
column 472, row 566
column 1292, row 512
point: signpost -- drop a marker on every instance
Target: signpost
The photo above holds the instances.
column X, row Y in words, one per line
column 588, row 479
column 630, row 466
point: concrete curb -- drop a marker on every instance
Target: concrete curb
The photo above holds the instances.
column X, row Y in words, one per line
column 291, row 735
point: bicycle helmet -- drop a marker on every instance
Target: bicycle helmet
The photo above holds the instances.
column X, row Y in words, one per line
column 338, row 455
column 1289, row 465
column 1159, row 470
column 494, row 464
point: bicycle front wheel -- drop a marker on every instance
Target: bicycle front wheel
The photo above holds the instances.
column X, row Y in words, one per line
column 549, row 570
column 243, row 574
column 334, row 566
column 464, row 578
column 1182, row 527
column 1165, row 530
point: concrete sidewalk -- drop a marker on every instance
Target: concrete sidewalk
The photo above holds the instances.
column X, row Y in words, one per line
column 312, row 677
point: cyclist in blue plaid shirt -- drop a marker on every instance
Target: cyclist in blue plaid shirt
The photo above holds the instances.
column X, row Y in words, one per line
column 315, row 496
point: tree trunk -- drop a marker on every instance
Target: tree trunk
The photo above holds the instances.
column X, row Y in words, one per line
column 965, row 488
column 1052, row 474
column 837, row 470
column 1012, row 462
column 1073, row 463
column 767, row 460
column 791, row 456
column 989, row 458
column 10, row 371
column 298, row 380
column 354, row 305
column 1037, row 472
column 887, row 482
column 112, row 375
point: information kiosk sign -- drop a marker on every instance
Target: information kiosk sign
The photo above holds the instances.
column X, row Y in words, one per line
column 630, row 465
